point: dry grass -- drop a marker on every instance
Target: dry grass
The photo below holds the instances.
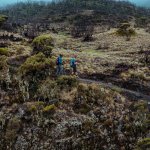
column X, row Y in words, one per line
column 94, row 60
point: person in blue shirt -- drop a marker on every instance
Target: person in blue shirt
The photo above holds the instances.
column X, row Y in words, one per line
column 73, row 65
column 59, row 64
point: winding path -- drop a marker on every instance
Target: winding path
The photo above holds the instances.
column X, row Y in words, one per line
column 132, row 94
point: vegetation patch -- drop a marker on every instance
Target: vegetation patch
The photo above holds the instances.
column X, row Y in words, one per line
column 44, row 44
column 3, row 62
column 141, row 106
column 144, row 144
column 49, row 108
column 140, row 75
column 89, row 95
column 65, row 82
column 3, row 68
column 126, row 30
column 35, row 106
column 36, row 63
column 13, row 128
column 4, row 51
column 48, row 89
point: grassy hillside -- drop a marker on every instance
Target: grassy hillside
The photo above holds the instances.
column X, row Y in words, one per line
column 105, row 106
column 40, row 109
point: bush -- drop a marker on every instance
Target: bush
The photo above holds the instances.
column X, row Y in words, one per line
column 13, row 127
column 3, row 69
column 35, row 106
column 49, row 109
column 144, row 144
column 65, row 82
column 48, row 90
column 126, row 30
column 47, row 50
column 36, row 64
column 14, row 124
column 141, row 106
column 44, row 44
column 91, row 95
column 4, row 51
column 35, row 69
column 3, row 62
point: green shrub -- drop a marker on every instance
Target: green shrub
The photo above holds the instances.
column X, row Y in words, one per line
column 65, row 82
column 14, row 124
column 129, row 32
column 124, row 25
column 4, row 51
column 83, row 109
column 48, row 89
column 126, row 30
column 35, row 106
column 88, row 95
column 47, row 50
column 43, row 40
column 3, row 68
column 35, row 69
column 10, row 135
column 141, row 106
column 144, row 144
column 3, row 62
column 37, row 63
column 91, row 93
column 49, row 109
column 44, row 44
column 12, row 129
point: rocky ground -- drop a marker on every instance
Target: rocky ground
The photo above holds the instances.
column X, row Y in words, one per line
column 39, row 111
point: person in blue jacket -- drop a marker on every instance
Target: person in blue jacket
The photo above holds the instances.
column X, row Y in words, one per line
column 73, row 65
column 59, row 64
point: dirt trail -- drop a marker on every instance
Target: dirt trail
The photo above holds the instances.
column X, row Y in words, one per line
column 129, row 93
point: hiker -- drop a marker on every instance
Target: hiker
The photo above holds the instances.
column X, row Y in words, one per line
column 59, row 64
column 73, row 65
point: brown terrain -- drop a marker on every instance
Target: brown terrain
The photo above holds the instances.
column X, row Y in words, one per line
column 105, row 107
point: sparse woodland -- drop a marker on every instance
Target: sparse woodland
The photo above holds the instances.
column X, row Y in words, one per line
column 104, row 12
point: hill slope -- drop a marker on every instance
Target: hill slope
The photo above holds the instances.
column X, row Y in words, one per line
column 61, row 11
column 39, row 110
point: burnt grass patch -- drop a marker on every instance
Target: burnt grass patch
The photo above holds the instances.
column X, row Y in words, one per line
column 114, row 78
